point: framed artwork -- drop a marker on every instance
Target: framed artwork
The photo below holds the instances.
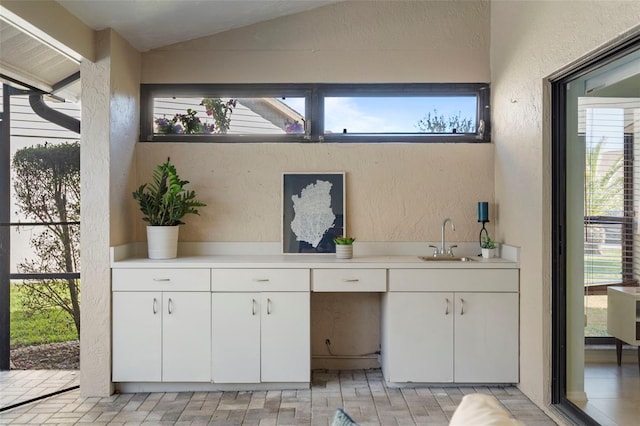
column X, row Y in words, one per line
column 313, row 211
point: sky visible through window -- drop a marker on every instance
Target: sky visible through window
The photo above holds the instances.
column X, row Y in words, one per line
column 388, row 114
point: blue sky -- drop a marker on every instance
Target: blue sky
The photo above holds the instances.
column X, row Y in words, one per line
column 386, row 114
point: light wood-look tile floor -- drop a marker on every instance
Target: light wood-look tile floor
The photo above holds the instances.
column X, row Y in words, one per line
column 362, row 393
column 613, row 393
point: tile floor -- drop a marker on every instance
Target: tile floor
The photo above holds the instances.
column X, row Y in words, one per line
column 613, row 393
column 22, row 385
column 362, row 393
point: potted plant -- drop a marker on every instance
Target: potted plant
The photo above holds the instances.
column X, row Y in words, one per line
column 488, row 246
column 164, row 202
column 344, row 247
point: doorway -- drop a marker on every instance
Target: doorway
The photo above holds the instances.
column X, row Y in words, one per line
column 39, row 245
column 596, row 239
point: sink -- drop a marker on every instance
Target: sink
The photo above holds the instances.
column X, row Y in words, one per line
column 446, row 259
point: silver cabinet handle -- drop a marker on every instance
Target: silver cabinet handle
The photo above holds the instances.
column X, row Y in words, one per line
column 461, row 306
column 162, row 279
column 261, row 280
column 170, row 306
column 446, row 311
column 350, row 280
column 155, row 306
column 268, row 306
column 253, row 306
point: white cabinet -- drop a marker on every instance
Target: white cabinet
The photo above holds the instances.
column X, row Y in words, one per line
column 161, row 335
column 419, row 337
column 137, row 336
column 468, row 334
column 486, row 338
column 260, row 336
column 349, row 280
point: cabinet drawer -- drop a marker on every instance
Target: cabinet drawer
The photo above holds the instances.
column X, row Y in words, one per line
column 349, row 280
column 470, row 280
column 161, row 279
column 256, row 280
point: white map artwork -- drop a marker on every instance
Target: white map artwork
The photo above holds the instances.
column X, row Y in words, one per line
column 313, row 215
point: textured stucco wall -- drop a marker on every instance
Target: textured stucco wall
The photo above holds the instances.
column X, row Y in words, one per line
column 353, row 41
column 95, row 345
column 530, row 41
column 395, row 192
column 109, row 123
column 125, row 120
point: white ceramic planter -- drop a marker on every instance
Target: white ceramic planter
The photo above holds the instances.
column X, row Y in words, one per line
column 488, row 253
column 344, row 251
column 162, row 242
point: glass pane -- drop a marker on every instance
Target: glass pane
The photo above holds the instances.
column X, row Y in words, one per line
column 211, row 116
column 595, row 309
column 401, row 114
column 603, row 254
column 45, row 187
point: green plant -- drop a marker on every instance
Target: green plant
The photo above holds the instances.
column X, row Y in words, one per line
column 165, row 201
column 487, row 242
column 343, row 241
column 220, row 111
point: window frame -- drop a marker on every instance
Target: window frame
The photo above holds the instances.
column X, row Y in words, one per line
column 314, row 95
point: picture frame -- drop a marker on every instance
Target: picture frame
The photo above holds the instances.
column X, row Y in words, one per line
column 313, row 211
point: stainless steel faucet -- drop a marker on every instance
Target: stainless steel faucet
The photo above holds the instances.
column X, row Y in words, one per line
column 442, row 250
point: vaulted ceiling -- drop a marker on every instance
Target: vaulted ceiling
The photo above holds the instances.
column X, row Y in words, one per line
column 146, row 24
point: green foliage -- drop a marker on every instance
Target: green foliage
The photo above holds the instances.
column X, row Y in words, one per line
column 487, row 242
column 220, row 111
column 343, row 240
column 604, row 182
column 439, row 124
column 47, row 189
column 191, row 124
column 30, row 327
column 165, row 201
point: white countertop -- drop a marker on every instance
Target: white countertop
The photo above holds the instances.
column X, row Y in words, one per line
column 312, row 261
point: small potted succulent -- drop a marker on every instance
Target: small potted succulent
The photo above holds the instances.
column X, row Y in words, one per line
column 344, row 247
column 488, row 246
column 164, row 202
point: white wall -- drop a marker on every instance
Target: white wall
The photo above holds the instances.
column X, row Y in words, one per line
column 531, row 40
column 110, row 89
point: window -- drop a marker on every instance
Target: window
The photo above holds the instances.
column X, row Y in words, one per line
column 606, row 129
column 315, row 112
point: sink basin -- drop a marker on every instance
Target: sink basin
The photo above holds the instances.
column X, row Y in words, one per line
column 446, row 259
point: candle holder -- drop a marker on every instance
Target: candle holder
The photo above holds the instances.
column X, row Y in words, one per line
column 483, row 230
column 483, row 217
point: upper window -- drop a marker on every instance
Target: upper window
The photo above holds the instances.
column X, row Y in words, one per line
column 315, row 112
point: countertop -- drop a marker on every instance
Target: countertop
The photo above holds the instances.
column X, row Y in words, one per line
column 312, row 262
column 368, row 256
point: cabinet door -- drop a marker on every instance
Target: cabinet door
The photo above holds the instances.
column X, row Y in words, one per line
column 285, row 337
column 137, row 338
column 186, row 337
column 486, row 338
column 235, row 319
column 420, row 337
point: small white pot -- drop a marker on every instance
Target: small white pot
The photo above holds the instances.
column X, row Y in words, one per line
column 162, row 242
column 488, row 253
column 344, row 251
